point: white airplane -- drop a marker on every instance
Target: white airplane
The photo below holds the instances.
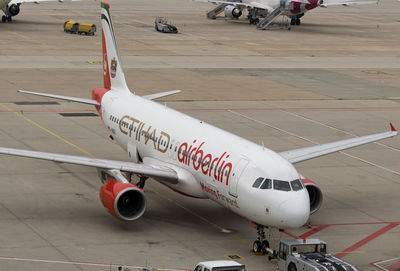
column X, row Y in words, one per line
column 191, row 157
column 12, row 7
column 263, row 12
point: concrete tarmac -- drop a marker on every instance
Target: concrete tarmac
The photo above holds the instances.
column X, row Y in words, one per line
column 335, row 76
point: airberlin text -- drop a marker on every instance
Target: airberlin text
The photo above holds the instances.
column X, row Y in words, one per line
column 215, row 167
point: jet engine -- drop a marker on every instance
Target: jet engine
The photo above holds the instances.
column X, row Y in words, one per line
column 315, row 194
column 13, row 10
column 232, row 12
column 123, row 200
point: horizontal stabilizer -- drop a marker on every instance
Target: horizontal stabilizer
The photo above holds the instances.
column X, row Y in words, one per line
column 67, row 98
column 160, row 94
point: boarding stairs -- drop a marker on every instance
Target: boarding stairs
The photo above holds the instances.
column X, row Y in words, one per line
column 212, row 14
column 266, row 21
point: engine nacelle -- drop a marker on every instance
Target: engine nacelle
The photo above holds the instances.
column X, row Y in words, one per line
column 13, row 10
column 315, row 194
column 123, row 200
column 232, row 12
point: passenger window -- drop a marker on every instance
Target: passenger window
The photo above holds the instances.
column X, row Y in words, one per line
column 281, row 185
column 267, row 184
column 296, row 185
column 257, row 183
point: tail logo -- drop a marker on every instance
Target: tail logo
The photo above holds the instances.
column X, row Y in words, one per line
column 114, row 64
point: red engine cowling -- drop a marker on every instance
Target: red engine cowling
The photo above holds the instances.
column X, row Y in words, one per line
column 123, row 200
column 315, row 194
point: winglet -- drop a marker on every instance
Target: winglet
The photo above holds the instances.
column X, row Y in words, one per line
column 392, row 127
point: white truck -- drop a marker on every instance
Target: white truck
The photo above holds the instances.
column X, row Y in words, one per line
column 219, row 266
column 308, row 255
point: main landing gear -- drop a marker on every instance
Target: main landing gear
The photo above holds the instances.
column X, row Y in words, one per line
column 261, row 244
column 5, row 19
column 296, row 20
column 140, row 183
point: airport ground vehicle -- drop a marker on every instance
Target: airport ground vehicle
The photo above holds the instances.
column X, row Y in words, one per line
column 308, row 254
column 219, row 266
column 161, row 24
column 74, row 27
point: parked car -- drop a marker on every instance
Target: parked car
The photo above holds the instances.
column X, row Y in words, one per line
column 219, row 266
column 161, row 24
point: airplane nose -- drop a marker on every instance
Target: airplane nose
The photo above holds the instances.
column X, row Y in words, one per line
column 294, row 213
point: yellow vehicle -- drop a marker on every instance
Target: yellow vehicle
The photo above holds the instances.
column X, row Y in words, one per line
column 74, row 27
column 71, row 26
column 87, row 29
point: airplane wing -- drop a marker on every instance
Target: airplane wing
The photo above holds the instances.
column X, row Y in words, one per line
column 302, row 154
column 35, row 1
column 112, row 166
column 328, row 3
column 239, row 4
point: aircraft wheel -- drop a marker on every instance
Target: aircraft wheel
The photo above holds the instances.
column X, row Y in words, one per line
column 292, row 267
column 4, row 19
column 265, row 245
column 298, row 22
column 257, row 246
column 293, row 21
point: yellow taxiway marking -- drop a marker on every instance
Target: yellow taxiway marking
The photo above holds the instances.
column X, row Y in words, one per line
column 48, row 131
column 348, row 252
column 95, row 62
column 148, row 187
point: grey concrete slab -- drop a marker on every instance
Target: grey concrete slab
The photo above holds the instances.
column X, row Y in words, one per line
column 334, row 76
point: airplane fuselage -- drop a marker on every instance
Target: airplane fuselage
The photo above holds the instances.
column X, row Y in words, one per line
column 295, row 8
column 210, row 162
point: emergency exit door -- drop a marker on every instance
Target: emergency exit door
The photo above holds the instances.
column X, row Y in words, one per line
column 237, row 174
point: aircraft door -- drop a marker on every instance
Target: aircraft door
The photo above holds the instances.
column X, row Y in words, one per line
column 237, row 173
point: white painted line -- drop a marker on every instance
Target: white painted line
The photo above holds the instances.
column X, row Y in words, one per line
column 7, row 258
column 378, row 264
column 311, row 141
column 337, row 129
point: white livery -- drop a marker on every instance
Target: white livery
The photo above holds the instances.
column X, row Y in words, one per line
column 192, row 157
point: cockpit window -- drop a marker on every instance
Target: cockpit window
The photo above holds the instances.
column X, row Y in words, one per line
column 281, row 185
column 296, row 185
column 257, row 183
column 267, row 184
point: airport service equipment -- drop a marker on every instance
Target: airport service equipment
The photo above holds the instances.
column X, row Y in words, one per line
column 74, row 27
column 161, row 24
column 219, row 266
column 307, row 255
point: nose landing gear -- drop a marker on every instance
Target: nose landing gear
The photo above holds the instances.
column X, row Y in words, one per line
column 261, row 245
